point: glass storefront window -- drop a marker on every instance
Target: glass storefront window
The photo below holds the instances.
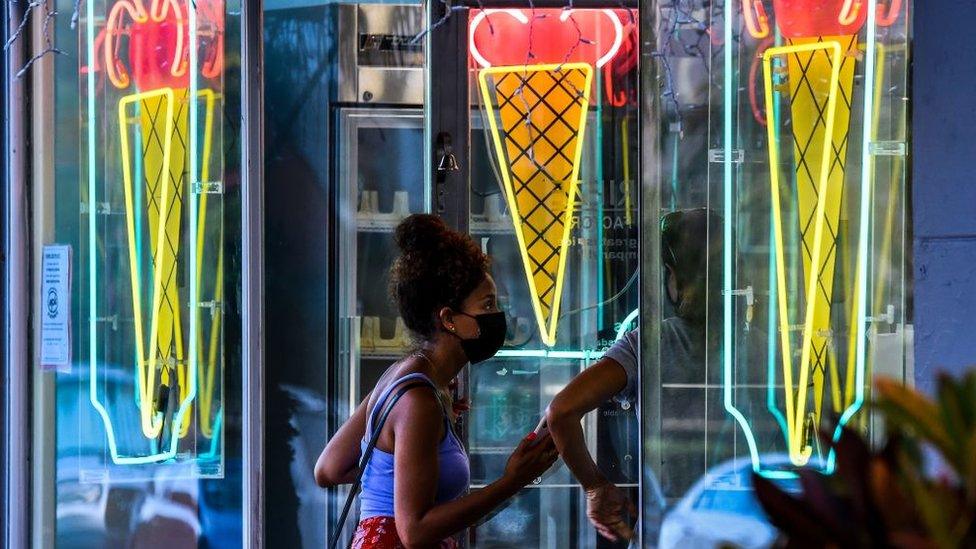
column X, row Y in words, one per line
column 347, row 150
column 138, row 412
column 788, row 121
column 782, row 123
column 553, row 197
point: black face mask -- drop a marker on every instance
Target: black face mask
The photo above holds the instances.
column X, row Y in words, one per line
column 491, row 337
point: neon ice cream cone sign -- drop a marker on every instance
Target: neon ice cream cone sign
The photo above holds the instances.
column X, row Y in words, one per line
column 820, row 57
column 536, row 90
column 154, row 54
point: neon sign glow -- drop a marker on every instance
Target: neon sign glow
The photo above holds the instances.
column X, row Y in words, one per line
column 152, row 55
column 537, row 119
column 818, row 52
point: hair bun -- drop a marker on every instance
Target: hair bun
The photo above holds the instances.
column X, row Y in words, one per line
column 420, row 233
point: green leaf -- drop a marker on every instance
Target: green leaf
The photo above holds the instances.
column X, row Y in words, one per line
column 912, row 411
column 792, row 516
column 932, row 508
column 968, row 473
column 952, row 412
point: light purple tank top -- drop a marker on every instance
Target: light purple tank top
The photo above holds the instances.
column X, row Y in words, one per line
column 453, row 469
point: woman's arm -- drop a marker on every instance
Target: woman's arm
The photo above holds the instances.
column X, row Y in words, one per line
column 338, row 462
column 418, row 521
column 585, row 393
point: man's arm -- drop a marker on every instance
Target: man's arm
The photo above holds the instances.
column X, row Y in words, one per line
column 585, row 393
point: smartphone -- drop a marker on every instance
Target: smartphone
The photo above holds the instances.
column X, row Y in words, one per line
column 541, row 431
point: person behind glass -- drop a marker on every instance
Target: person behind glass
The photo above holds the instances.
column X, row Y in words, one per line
column 689, row 253
column 414, row 486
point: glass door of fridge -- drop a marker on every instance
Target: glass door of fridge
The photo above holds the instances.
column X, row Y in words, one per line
column 380, row 165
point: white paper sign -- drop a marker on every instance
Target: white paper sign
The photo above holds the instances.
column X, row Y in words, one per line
column 56, row 308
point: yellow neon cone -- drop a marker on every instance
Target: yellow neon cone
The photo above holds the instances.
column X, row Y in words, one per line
column 209, row 346
column 537, row 118
column 163, row 122
column 820, row 82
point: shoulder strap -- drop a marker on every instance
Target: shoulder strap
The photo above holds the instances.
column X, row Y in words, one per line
column 419, row 380
column 416, row 377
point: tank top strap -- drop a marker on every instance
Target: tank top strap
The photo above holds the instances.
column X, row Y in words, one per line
column 381, row 401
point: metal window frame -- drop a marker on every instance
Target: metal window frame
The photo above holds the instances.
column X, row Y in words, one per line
column 15, row 413
column 253, row 287
column 649, row 250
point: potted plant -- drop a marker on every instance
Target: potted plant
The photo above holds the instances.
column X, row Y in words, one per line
column 888, row 497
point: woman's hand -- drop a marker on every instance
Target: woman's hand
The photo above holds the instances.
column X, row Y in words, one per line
column 530, row 459
column 609, row 510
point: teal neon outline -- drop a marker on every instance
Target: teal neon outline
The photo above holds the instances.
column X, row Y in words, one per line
column 217, row 435
column 137, row 190
column 674, row 174
column 727, row 240
column 598, row 77
column 869, row 75
column 674, row 150
column 180, row 415
column 585, row 354
column 771, row 345
column 626, row 322
column 194, row 139
column 771, row 305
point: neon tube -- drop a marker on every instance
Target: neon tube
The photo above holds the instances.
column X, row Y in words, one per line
column 481, row 16
column 147, row 360
column 519, row 16
column 522, row 213
column 209, row 367
column 799, row 453
column 151, row 423
column 757, row 22
column 727, row 350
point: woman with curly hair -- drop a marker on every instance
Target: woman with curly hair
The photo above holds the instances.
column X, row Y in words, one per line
column 414, row 485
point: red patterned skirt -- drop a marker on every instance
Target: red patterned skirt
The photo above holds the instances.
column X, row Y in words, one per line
column 380, row 533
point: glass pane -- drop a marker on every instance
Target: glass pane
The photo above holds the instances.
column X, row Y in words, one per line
column 139, row 438
column 346, row 162
column 554, row 138
column 788, row 120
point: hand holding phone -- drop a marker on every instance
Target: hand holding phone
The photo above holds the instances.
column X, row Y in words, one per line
column 541, row 431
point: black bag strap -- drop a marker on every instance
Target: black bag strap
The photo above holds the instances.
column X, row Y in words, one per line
column 368, row 452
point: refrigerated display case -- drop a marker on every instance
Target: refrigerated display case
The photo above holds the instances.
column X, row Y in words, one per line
column 508, row 393
column 372, row 200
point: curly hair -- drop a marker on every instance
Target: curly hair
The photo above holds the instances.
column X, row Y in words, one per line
column 437, row 267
